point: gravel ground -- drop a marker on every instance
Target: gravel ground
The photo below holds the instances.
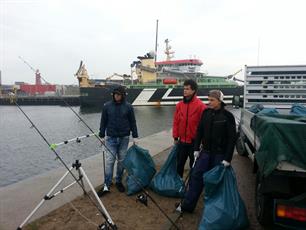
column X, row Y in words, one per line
column 243, row 167
column 127, row 214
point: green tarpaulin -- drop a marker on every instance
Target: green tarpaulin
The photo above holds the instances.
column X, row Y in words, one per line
column 282, row 138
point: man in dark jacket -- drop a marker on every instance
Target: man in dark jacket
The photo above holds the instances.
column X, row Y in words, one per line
column 118, row 121
column 186, row 119
column 217, row 134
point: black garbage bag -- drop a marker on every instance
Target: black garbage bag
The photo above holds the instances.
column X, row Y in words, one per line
column 140, row 168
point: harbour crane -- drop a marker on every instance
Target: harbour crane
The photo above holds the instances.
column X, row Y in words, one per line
column 38, row 77
column 232, row 76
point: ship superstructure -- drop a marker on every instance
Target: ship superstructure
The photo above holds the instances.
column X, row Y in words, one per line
column 157, row 83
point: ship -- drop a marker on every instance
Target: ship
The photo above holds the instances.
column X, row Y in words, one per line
column 154, row 82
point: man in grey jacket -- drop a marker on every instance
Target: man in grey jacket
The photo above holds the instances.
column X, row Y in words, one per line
column 117, row 121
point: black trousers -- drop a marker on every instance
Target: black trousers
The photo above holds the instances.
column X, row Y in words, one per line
column 204, row 163
column 184, row 151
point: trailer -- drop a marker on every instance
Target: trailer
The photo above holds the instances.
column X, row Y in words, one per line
column 275, row 139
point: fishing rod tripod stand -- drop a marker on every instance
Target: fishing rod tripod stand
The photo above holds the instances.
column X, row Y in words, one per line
column 107, row 225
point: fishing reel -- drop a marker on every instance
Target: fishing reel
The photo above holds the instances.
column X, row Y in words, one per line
column 107, row 226
column 142, row 198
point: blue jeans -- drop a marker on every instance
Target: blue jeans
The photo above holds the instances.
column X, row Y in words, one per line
column 204, row 163
column 118, row 147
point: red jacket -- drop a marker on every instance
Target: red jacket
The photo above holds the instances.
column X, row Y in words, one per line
column 186, row 119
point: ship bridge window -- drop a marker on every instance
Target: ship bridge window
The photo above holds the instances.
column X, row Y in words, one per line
column 282, row 77
column 287, row 77
column 293, row 77
column 265, row 77
column 276, row 77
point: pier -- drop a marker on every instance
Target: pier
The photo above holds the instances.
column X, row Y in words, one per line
column 40, row 100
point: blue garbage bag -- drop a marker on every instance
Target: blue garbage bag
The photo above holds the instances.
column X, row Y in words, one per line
column 267, row 111
column 167, row 182
column 140, row 168
column 256, row 108
column 223, row 206
column 298, row 109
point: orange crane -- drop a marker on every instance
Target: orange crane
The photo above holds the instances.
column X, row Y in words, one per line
column 38, row 77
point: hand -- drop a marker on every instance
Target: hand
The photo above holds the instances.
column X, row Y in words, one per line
column 175, row 141
column 135, row 141
column 196, row 154
column 225, row 163
column 102, row 140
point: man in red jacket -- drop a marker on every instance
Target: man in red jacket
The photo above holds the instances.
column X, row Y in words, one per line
column 186, row 119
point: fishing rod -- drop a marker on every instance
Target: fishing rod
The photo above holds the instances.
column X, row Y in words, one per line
column 108, row 220
column 141, row 198
column 186, row 181
column 114, row 155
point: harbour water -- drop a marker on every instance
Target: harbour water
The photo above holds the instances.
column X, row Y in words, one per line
column 23, row 153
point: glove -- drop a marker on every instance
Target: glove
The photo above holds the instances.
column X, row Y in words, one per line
column 225, row 163
column 135, row 141
column 196, row 154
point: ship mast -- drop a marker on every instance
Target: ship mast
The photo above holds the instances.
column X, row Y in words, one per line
column 156, row 37
column 168, row 51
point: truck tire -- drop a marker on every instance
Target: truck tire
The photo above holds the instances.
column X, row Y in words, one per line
column 263, row 204
column 240, row 146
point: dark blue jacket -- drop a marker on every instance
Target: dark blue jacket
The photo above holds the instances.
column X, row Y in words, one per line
column 118, row 120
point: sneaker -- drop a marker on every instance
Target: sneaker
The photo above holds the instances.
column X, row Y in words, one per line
column 104, row 190
column 120, row 187
column 178, row 208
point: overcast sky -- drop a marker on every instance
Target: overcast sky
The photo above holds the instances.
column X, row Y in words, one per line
column 54, row 35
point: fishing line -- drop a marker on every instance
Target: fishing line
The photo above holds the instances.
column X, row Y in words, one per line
column 80, row 213
column 52, row 147
column 109, row 222
column 118, row 162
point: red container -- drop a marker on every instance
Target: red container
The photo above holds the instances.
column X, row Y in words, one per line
column 37, row 89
